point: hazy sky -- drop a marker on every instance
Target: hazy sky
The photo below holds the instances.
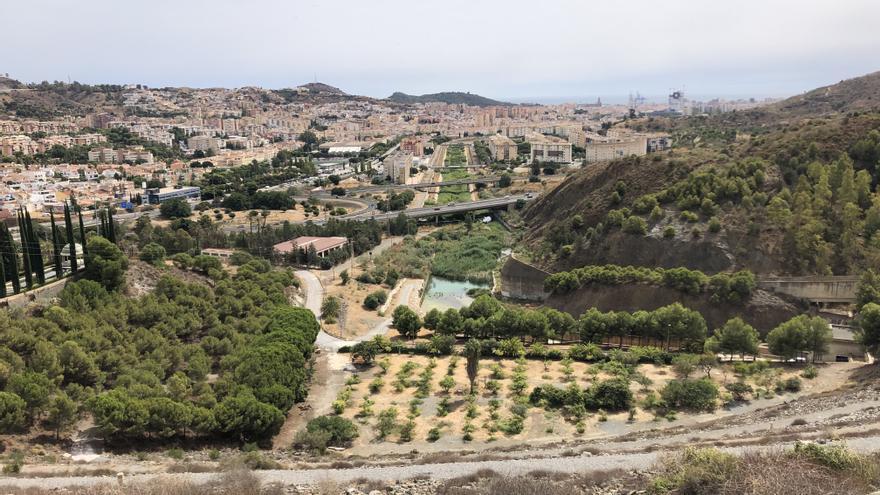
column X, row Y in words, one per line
column 500, row 48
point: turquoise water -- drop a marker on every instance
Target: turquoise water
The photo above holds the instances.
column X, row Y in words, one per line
column 444, row 294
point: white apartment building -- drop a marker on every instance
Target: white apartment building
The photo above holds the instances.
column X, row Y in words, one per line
column 397, row 167
column 203, row 143
column 502, row 148
column 549, row 149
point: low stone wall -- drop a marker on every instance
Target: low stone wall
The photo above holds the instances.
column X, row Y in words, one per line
column 44, row 293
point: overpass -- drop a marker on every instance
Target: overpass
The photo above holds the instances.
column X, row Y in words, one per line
column 449, row 209
column 420, row 185
column 426, row 212
column 816, row 289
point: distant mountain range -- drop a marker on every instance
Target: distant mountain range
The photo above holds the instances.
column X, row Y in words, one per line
column 452, row 98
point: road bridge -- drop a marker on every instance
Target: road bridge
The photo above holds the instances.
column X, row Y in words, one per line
column 451, row 208
column 421, row 185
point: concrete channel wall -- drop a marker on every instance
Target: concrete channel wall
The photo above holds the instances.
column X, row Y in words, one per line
column 520, row 280
column 817, row 289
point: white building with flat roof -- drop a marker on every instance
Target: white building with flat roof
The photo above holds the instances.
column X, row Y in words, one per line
column 548, row 149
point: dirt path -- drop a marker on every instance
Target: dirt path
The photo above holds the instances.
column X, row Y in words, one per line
column 331, row 368
column 326, row 379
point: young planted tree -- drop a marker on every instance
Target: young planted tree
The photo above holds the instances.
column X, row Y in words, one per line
column 472, row 350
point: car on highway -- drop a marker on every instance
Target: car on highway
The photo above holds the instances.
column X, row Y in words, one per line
column 436, row 208
column 451, row 203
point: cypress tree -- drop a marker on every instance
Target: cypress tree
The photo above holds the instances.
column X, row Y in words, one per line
column 35, row 251
column 2, row 277
column 56, row 249
column 68, row 225
column 25, row 254
column 111, row 228
column 9, row 258
column 82, row 234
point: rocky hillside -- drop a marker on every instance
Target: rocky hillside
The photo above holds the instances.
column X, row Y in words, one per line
column 52, row 100
column 767, row 191
column 318, row 87
column 857, row 94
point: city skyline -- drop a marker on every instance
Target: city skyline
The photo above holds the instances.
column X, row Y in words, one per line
column 562, row 49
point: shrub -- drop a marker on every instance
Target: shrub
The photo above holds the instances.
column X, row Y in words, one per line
column 695, row 471
column 254, row 460
column 375, row 299
column 387, row 422
column 810, row 372
column 669, row 232
column 635, row 225
column 376, row 385
column 443, row 407
column 835, row 457
column 689, row 216
column 406, row 431
column 644, row 204
column 611, row 395
column 330, row 309
column 447, row 383
column 585, row 352
column 511, row 348
column 442, row 345
column 739, row 390
column 175, row 453
column 512, row 425
column 697, row 395
column 792, row 384
column 434, row 434
column 313, row 441
column 153, row 254
column 340, row 431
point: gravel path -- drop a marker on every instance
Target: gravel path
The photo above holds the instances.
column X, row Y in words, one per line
column 387, row 473
column 510, row 467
